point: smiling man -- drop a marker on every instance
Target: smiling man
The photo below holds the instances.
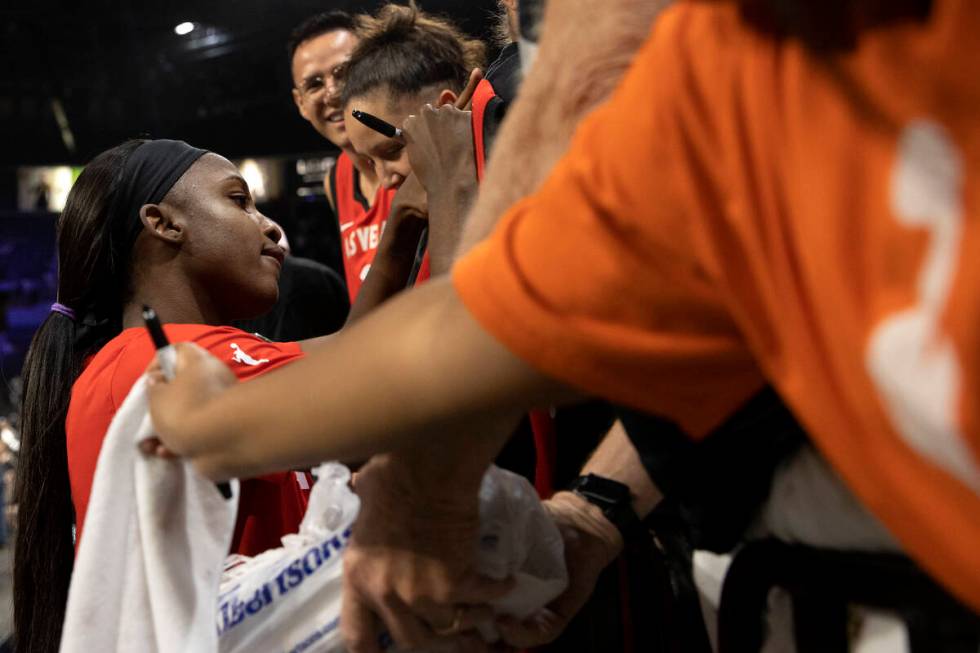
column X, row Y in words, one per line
column 318, row 48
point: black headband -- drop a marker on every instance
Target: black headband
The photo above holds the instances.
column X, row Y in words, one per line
column 150, row 172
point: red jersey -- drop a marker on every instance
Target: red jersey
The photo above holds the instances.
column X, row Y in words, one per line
column 361, row 223
column 482, row 97
column 269, row 506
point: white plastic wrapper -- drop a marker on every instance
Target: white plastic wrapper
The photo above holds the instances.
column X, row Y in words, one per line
column 288, row 599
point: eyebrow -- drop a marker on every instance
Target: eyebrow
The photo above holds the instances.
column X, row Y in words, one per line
column 238, row 178
column 384, row 145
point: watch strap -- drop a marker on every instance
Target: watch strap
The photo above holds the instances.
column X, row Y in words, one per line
column 613, row 499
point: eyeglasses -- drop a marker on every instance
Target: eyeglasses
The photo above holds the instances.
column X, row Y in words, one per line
column 312, row 86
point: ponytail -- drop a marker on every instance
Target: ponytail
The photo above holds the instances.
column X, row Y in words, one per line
column 43, row 554
column 93, row 257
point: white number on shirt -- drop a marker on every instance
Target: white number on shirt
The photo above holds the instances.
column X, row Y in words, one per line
column 912, row 362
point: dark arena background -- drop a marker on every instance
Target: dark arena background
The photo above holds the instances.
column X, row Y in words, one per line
column 80, row 77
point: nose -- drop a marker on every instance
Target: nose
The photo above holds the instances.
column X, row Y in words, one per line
column 394, row 180
column 332, row 87
column 271, row 230
column 391, row 178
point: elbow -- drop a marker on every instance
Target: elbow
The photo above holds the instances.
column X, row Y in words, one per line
column 216, row 468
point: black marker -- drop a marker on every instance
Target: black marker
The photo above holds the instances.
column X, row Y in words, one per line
column 167, row 356
column 419, row 255
column 377, row 124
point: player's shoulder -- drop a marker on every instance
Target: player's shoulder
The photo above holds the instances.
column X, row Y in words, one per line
column 217, row 337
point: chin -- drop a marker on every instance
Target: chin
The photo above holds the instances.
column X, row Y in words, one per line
column 336, row 135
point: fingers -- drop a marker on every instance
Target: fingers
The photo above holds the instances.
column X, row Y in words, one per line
column 191, row 353
column 480, row 590
column 154, row 373
column 463, row 101
column 149, row 446
column 408, row 631
column 540, row 628
column 408, row 129
column 358, row 625
column 154, row 447
column 471, row 616
column 468, row 643
column 161, row 451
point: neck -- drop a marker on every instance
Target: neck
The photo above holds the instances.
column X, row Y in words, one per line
column 175, row 300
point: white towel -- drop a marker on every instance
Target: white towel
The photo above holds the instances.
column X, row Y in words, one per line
column 155, row 539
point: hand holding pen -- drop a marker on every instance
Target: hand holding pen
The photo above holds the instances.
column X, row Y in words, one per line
column 167, row 358
column 385, row 128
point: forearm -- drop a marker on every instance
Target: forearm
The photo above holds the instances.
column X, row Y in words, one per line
column 444, row 472
column 566, row 82
column 420, row 366
column 617, row 459
column 447, row 205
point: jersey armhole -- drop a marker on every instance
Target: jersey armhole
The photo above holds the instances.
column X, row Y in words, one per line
column 356, row 189
column 331, row 186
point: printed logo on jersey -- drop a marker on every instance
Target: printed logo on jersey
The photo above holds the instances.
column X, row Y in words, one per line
column 363, row 239
column 241, row 357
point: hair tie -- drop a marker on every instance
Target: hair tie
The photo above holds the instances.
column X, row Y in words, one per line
column 64, row 310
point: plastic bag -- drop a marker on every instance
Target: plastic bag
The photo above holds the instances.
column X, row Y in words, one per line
column 518, row 538
column 288, row 599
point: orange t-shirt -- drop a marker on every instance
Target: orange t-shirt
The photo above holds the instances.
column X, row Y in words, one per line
column 269, row 506
column 734, row 214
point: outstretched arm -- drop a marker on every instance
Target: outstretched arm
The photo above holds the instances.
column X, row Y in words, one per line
column 441, row 375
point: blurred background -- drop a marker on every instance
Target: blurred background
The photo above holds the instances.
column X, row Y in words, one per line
column 79, row 77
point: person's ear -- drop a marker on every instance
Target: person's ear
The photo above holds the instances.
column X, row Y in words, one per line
column 510, row 4
column 161, row 222
column 298, row 99
column 446, row 96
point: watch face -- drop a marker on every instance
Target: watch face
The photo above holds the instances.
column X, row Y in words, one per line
column 607, row 489
column 613, row 498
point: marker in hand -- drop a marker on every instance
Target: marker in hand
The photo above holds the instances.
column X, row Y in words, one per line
column 385, row 128
column 377, row 124
column 167, row 357
column 166, row 354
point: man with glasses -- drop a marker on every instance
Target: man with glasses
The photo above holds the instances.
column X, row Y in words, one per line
column 318, row 49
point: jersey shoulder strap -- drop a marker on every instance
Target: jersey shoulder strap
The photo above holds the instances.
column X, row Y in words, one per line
column 482, row 96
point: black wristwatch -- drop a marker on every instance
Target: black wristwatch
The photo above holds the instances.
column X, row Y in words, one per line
column 613, row 498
